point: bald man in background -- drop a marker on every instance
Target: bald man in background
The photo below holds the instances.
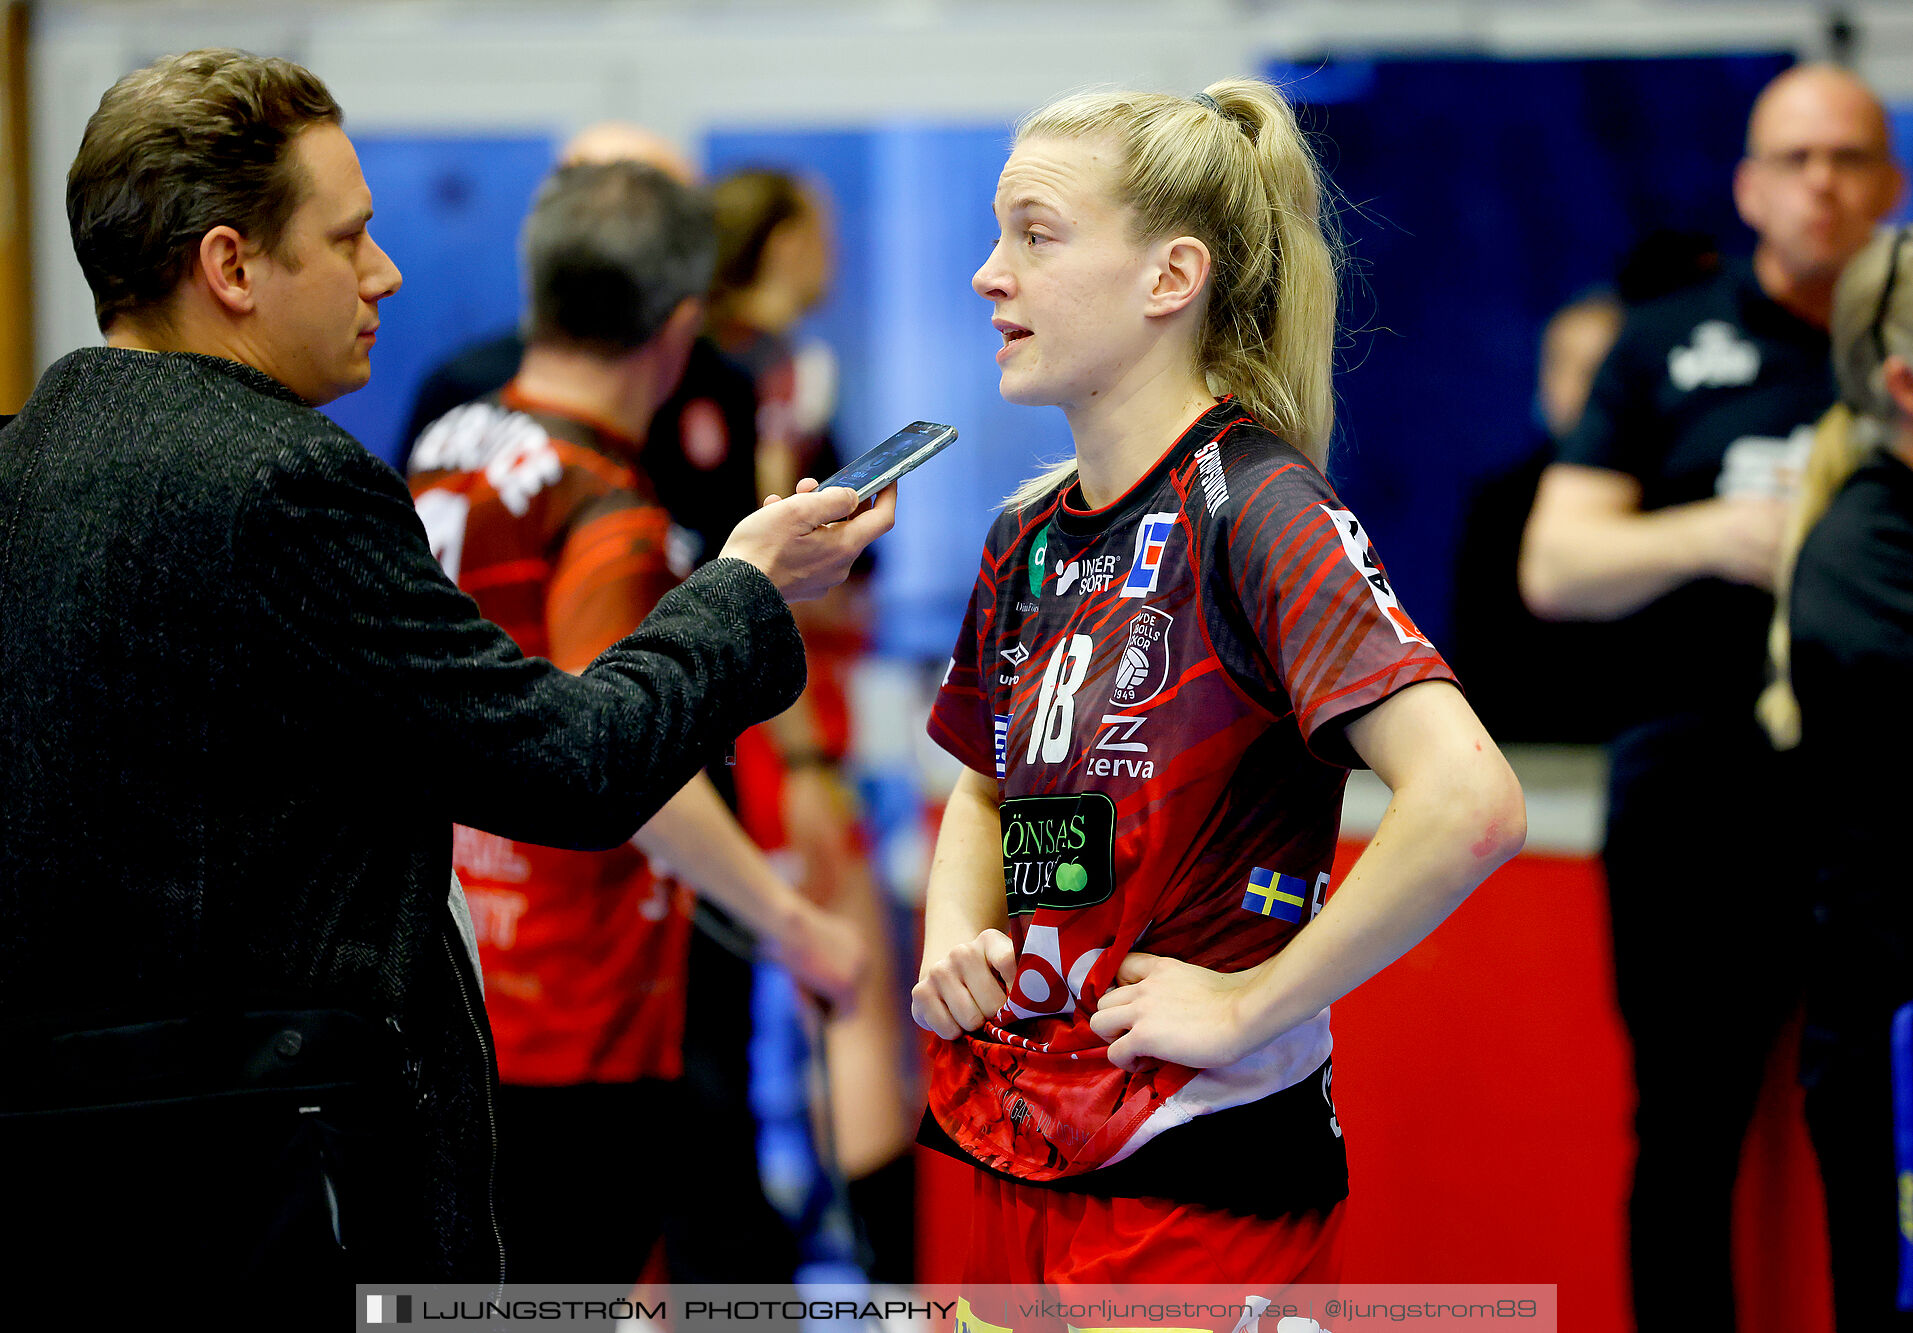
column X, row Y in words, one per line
column 1665, row 508
column 474, row 371
column 621, row 141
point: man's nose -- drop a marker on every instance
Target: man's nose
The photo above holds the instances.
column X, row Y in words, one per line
column 383, row 278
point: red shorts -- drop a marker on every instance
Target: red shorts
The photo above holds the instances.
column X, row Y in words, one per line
column 1027, row 1236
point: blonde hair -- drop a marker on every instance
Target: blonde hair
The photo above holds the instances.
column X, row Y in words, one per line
column 1870, row 323
column 1235, row 171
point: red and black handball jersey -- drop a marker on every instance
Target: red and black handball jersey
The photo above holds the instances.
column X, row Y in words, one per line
column 542, row 520
column 1159, row 688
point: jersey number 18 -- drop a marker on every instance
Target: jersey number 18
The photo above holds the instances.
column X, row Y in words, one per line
column 1055, row 720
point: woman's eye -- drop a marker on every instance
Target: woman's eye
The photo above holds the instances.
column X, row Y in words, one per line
column 1032, row 237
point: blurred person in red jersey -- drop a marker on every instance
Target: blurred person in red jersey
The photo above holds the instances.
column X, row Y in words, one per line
column 537, row 504
column 700, row 452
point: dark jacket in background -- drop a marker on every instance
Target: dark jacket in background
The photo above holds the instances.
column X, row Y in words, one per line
column 1851, row 616
column 240, row 708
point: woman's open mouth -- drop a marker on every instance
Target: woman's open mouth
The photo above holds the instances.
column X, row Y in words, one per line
column 1012, row 334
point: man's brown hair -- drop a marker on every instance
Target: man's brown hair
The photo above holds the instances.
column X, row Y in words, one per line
column 189, row 143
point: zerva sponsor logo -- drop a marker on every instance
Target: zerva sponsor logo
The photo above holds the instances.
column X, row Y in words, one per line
column 1117, row 734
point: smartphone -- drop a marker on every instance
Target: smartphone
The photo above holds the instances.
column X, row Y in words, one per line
column 916, row 443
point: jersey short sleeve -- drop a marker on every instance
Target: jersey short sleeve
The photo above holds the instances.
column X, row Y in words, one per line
column 1333, row 638
column 962, row 720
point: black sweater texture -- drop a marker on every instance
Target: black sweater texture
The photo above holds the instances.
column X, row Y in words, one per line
column 241, row 707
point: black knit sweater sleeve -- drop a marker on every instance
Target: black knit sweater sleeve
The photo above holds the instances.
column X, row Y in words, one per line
column 338, row 566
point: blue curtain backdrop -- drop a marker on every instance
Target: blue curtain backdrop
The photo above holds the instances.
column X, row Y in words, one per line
column 1476, row 196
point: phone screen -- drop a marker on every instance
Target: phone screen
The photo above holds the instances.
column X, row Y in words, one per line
column 915, row 444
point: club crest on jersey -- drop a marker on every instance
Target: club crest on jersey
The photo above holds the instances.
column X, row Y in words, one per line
column 1361, row 553
column 1039, row 560
column 1152, row 538
column 1143, row 668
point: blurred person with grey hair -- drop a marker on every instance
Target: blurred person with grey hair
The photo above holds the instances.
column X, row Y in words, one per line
column 700, row 452
column 696, row 455
column 243, row 707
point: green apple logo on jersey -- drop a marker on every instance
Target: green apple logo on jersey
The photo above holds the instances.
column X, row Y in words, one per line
column 1059, row 851
column 1039, row 561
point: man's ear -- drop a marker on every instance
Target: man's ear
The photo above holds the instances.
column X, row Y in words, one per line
column 663, row 358
column 1749, row 199
column 1899, row 383
column 686, row 320
column 1896, row 192
column 224, row 257
column 1181, row 275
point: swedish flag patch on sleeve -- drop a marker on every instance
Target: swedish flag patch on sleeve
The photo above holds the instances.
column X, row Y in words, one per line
column 1274, row 894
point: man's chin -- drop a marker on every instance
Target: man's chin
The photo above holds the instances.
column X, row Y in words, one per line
column 1825, row 254
column 360, row 377
column 320, row 395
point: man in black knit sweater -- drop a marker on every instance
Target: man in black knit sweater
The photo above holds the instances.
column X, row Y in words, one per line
column 240, row 708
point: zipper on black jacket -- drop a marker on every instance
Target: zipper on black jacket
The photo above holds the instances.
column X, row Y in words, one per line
column 491, row 1114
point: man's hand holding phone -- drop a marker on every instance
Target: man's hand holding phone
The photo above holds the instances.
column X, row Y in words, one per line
column 806, row 543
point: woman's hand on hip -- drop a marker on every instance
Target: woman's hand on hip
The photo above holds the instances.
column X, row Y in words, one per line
column 1169, row 1010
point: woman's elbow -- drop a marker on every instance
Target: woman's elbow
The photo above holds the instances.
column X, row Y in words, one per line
column 1542, row 589
column 1500, row 824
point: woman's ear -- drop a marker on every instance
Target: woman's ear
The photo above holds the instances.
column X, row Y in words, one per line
column 1181, row 275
